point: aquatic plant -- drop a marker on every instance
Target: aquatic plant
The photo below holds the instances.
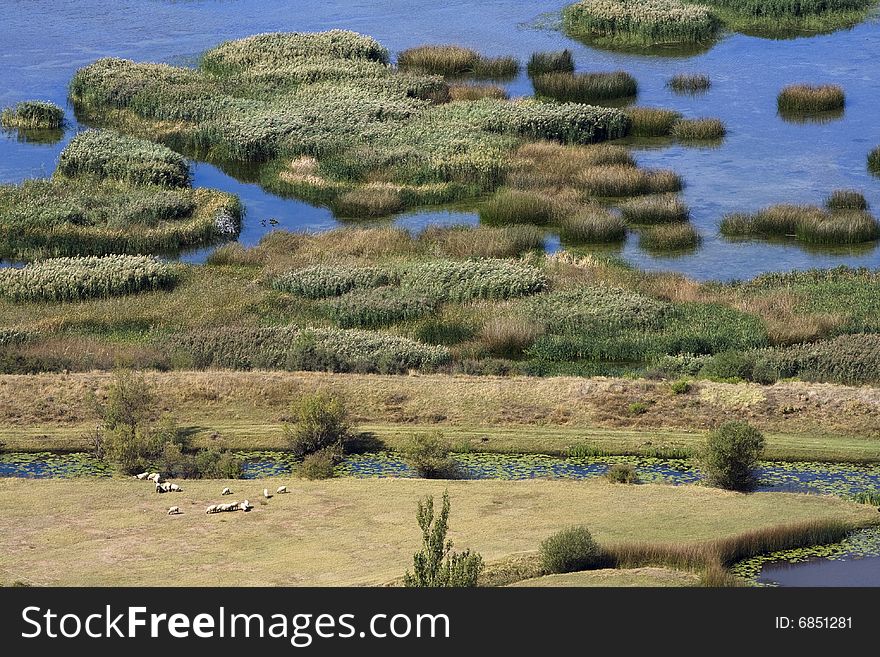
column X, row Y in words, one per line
column 592, row 225
column 509, row 337
column 660, row 209
column 32, row 114
column 699, row 129
column 513, row 206
column 474, row 279
column 806, row 223
column 689, row 83
column 846, row 199
column 874, row 161
column 622, row 473
column 670, row 237
column 428, row 455
column 809, row 98
column 652, row 121
column 647, row 23
column 619, row 181
column 788, row 8
column 550, row 62
column 369, row 201
column 570, row 87
column 456, row 61
column 596, row 309
column 75, row 279
column 481, row 241
column 106, row 154
column 322, row 281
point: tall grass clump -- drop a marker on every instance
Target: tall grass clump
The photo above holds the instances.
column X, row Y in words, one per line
column 322, row 281
column 474, row 279
column 377, row 307
column 618, row 181
column 570, row 550
column 76, row 279
column 847, row 359
column 699, row 129
column 809, row 224
column 689, row 83
column 456, row 61
column 509, row 337
column 368, row 202
column 33, row 114
column 637, row 22
column 585, row 87
column 622, row 473
column 513, row 206
column 809, row 98
column 874, row 161
column 837, row 228
column 731, row 455
column 670, row 237
column 846, row 199
column 652, row 121
column 660, row 209
column 592, row 225
column 560, row 61
column 106, row 154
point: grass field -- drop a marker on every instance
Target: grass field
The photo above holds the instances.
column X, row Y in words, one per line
column 246, row 410
column 352, row 532
column 648, row 576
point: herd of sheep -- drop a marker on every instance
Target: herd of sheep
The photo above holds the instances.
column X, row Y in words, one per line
column 167, row 487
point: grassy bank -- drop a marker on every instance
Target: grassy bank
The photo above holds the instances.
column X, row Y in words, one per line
column 345, row 532
column 647, row 576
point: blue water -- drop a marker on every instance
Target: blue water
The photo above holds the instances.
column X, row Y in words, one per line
column 764, row 159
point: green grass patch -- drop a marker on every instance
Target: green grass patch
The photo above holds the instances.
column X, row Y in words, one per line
column 570, row 87
column 670, row 237
column 33, row 115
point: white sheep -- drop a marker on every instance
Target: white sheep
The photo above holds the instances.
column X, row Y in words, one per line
column 173, row 510
column 174, row 488
column 246, row 506
column 266, row 494
column 155, row 476
column 211, row 509
column 281, row 489
column 141, row 476
column 226, row 491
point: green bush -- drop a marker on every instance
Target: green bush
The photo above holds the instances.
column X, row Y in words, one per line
column 570, row 550
column 436, row 565
column 731, row 455
column 105, row 154
column 320, row 421
column 474, row 279
column 680, row 387
column 320, row 464
column 550, row 62
column 428, row 455
column 622, row 473
column 76, row 279
column 730, row 365
column 322, row 281
column 33, row 114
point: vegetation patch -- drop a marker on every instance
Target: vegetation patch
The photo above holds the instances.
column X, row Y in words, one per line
column 846, row 199
column 513, row 206
column 477, row 92
column 670, row 237
column 455, row 61
column 33, row 115
column 570, row 87
column 322, row 281
column 652, row 121
column 474, row 279
column 874, row 161
column 689, row 83
column 849, row 359
column 809, row 224
column 699, row 129
column 661, row 209
column 592, row 225
column 560, row 61
column 76, row 279
column 811, row 99
column 378, row 307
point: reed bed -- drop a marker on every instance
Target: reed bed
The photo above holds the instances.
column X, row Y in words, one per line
column 560, row 61
column 323, row 281
column 699, row 129
column 670, row 237
column 809, row 224
column 652, row 121
column 689, row 83
column 450, row 280
column 476, row 92
column 509, row 337
column 619, row 181
column 104, row 154
column 77, row 279
column 367, row 202
column 846, row 199
column 634, row 21
column 456, row 61
column 543, row 165
column 788, row 9
column 874, row 161
column 592, row 225
column 570, row 87
column 846, row 359
column 32, row 114
column 809, row 98
column 660, row 209
column 514, row 206
column 378, row 307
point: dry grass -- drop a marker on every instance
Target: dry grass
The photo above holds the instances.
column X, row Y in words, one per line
column 346, row 531
column 699, row 130
column 618, row 181
column 646, row 576
column 652, row 121
column 808, row 98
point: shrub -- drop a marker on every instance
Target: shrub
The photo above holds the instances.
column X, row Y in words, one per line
column 808, row 98
column 569, row 87
column 76, row 279
column 731, row 454
column 634, row 21
column 474, row 279
column 846, row 199
column 476, row 92
column 509, row 336
column 569, row 550
column 666, row 208
column 322, row 281
column 377, row 307
column 33, row 114
column 592, row 225
column 699, row 129
column 368, row 202
column 513, row 206
column 320, row 464
column 320, row 421
column 622, row 473
column 550, row 62
column 652, row 121
column 670, row 237
column 428, row 455
column 680, row 387
column 105, row 154
column 874, row 161
column 436, row 565
column 637, row 408
column 689, row 82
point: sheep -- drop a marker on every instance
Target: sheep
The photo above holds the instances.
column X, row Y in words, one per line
column 266, row 494
column 160, row 488
column 211, row 509
column 232, row 506
column 174, row 488
column 246, row 506
column 155, row 476
column 226, row 491
column 281, row 489
column 173, row 510
column 141, row 476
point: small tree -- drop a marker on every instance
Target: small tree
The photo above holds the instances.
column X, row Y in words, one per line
column 320, row 421
column 731, row 454
column 436, row 565
column 569, row 550
column 428, row 455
